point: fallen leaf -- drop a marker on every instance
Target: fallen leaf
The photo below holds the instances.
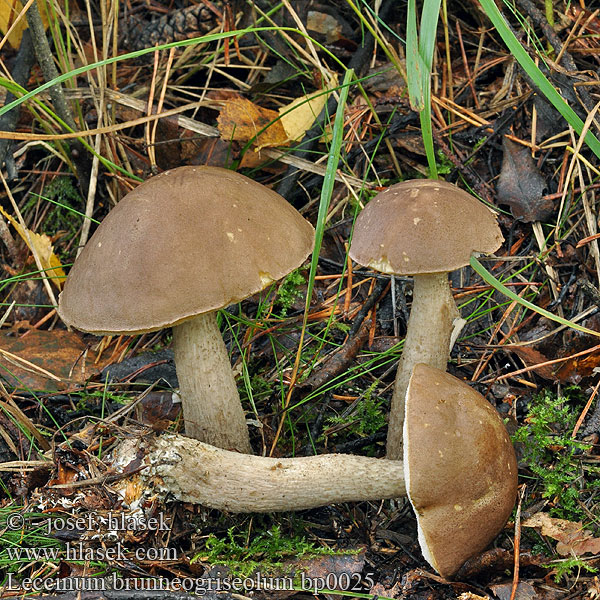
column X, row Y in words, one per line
column 300, row 114
column 525, row 591
column 531, row 357
column 325, row 24
column 496, row 560
column 242, row 121
column 575, row 369
column 572, row 538
column 521, row 184
column 9, row 11
column 41, row 245
column 45, row 360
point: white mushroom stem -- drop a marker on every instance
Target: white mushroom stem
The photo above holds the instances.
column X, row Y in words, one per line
column 428, row 335
column 195, row 472
column 211, row 404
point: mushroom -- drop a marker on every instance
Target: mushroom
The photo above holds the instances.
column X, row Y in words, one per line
column 460, row 468
column 426, row 229
column 459, row 471
column 174, row 251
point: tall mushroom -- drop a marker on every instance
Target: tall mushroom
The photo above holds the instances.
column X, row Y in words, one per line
column 426, row 229
column 459, row 472
column 174, row 251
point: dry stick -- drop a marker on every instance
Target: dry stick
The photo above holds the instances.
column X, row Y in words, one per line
column 585, row 411
column 150, row 146
column 20, row 75
column 161, row 101
column 89, row 205
column 340, row 360
column 91, row 194
column 46, row 61
column 466, row 65
column 515, row 582
column 554, row 361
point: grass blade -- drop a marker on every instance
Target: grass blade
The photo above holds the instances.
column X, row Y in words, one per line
column 496, row 284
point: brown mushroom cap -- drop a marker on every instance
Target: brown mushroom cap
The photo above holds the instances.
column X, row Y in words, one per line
column 186, row 242
column 423, row 226
column 460, row 468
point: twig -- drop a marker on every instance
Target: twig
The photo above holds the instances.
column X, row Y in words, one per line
column 20, row 75
column 340, row 360
column 585, row 411
column 379, row 289
column 515, row 583
column 45, row 59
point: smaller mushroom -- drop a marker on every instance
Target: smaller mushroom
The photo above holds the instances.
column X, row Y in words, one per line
column 426, row 229
column 174, row 251
column 459, row 471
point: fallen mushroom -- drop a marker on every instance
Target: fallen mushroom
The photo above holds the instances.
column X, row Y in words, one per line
column 426, row 229
column 459, row 471
column 174, row 251
column 460, row 468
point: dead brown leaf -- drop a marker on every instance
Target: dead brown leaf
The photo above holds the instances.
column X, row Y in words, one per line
column 59, row 353
column 575, row 369
column 41, row 245
column 521, row 184
column 242, row 121
column 531, row 357
column 572, row 538
column 10, row 10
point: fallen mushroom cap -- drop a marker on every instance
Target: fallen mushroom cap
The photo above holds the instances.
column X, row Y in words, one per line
column 188, row 241
column 460, row 468
column 423, row 226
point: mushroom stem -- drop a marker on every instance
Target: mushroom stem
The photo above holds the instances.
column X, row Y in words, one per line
column 428, row 335
column 201, row 474
column 211, row 404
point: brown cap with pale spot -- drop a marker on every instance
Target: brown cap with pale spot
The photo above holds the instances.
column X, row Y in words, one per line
column 188, row 241
column 423, row 226
column 460, row 468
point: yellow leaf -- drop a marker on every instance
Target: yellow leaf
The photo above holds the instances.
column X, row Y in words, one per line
column 299, row 115
column 9, row 11
column 41, row 245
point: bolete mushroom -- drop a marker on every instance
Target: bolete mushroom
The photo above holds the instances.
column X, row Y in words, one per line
column 459, row 471
column 460, row 468
column 426, row 229
column 174, row 251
